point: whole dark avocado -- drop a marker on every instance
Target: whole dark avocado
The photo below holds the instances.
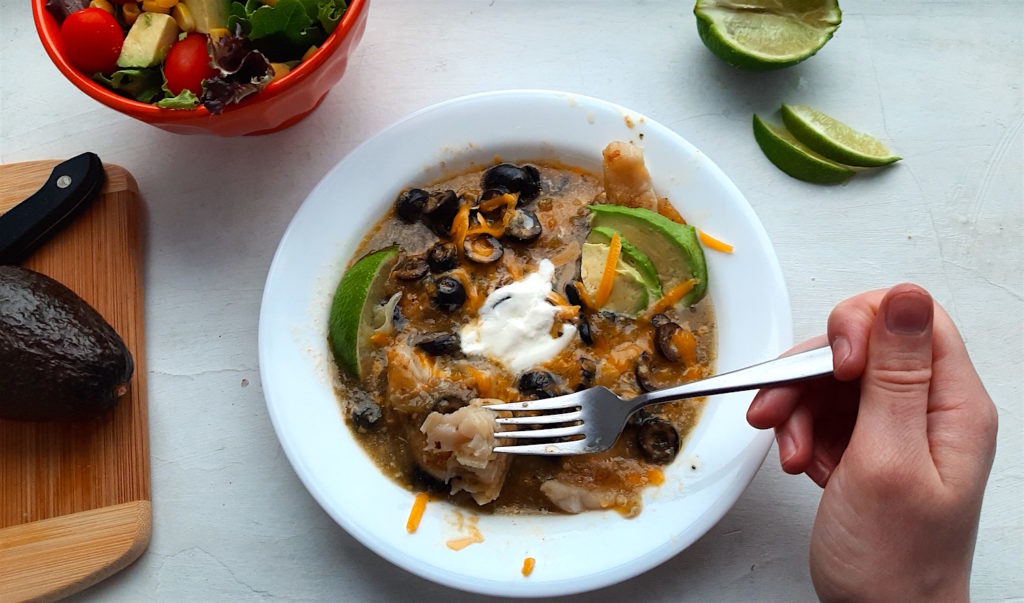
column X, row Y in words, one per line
column 59, row 360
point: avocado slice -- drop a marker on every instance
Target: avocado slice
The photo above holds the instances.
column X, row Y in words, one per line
column 630, row 294
column 633, row 256
column 148, row 41
column 676, row 252
column 59, row 359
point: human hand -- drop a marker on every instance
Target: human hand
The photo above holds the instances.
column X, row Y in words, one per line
column 901, row 438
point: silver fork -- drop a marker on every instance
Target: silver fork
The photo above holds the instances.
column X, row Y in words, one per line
column 599, row 415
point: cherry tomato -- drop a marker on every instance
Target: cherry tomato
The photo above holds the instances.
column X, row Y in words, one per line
column 188, row 64
column 92, row 40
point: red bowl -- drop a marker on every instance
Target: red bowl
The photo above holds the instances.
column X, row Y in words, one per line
column 283, row 102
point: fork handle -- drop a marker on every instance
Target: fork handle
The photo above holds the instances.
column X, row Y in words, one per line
column 787, row 369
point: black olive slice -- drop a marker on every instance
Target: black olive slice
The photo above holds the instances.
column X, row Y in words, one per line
column 439, row 211
column 448, row 294
column 410, row 269
column 410, row 203
column 539, row 384
column 572, row 294
column 523, row 227
column 658, row 440
column 588, row 371
column 663, row 335
column 366, row 416
column 442, row 257
column 585, row 331
column 523, row 180
column 483, row 249
column 439, row 344
column 659, row 319
column 643, row 372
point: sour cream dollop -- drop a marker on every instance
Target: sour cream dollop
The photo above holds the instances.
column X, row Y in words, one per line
column 514, row 324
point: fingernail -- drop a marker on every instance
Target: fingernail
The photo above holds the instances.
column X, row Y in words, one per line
column 908, row 313
column 787, row 447
column 840, row 351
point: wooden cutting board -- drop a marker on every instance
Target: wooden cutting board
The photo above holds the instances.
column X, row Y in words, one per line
column 75, row 498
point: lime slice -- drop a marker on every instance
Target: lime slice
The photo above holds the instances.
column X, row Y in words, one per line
column 351, row 319
column 766, row 34
column 794, row 158
column 834, row 139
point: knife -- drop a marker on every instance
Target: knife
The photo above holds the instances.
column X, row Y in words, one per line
column 70, row 188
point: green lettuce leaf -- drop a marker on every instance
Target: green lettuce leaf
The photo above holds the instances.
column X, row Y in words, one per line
column 144, row 85
column 329, row 13
column 186, row 100
column 287, row 17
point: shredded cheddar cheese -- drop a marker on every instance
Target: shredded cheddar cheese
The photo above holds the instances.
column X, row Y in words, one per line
column 482, row 381
column 686, row 343
column 496, row 202
column 416, row 514
column 556, row 299
column 528, row 565
column 584, row 296
column 472, row 297
column 604, row 290
column 712, row 243
column 379, row 339
column 672, row 297
column 460, row 228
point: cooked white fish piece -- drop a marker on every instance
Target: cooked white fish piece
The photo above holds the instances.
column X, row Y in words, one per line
column 576, row 499
column 626, row 179
column 465, row 441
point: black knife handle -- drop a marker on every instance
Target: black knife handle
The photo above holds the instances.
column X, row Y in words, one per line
column 71, row 186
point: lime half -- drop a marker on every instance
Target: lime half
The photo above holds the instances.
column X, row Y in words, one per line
column 766, row 34
column 794, row 158
column 834, row 139
column 351, row 319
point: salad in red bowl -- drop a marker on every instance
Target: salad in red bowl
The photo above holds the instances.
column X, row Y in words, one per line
column 183, row 54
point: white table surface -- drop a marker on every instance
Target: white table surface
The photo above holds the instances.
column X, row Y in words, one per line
column 940, row 81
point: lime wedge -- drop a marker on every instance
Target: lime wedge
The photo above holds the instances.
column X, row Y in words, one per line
column 794, row 158
column 834, row 139
column 351, row 319
column 766, row 34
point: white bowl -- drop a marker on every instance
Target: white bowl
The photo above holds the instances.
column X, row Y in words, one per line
column 574, row 553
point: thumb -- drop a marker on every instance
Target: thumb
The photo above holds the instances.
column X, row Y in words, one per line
column 898, row 372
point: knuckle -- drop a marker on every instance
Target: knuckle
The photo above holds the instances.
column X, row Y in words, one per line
column 988, row 423
column 901, row 381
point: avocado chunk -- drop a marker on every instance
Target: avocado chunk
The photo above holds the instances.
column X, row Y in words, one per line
column 148, row 41
column 59, row 360
column 672, row 247
column 632, row 256
column 208, row 14
column 629, row 294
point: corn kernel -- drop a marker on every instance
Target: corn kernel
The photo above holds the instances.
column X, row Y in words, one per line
column 183, row 17
column 280, row 70
column 150, row 6
column 218, row 32
column 130, row 12
column 166, row 3
column 312, row 50
column 102, row 4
